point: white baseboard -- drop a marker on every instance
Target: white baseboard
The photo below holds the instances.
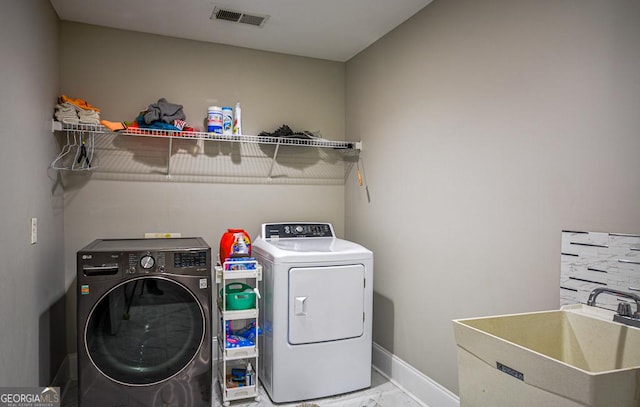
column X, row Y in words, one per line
column 424, row 389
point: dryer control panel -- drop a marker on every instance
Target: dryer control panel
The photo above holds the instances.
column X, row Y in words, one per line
column 296, row 230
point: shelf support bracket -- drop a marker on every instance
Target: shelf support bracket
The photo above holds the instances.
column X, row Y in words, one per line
column 273, row 161
column 169, row 158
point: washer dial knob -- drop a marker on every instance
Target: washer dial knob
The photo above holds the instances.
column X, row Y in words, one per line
column 299, row 229
column 146, row 262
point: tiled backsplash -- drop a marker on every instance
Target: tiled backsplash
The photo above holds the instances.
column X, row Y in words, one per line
column 591, row 260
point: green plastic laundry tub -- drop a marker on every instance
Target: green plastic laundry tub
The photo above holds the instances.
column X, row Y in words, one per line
column 239, row 296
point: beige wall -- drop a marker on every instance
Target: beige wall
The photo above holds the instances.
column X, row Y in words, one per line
column 32, row 289
column 489, row 127
column 123, row 72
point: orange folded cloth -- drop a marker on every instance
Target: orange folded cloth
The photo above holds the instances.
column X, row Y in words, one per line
column 113, row 126
column 82, row 104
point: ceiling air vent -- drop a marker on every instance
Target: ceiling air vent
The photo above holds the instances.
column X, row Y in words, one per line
column 240, row 17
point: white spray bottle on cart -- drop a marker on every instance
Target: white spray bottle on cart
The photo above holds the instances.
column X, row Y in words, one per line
column 250, row 376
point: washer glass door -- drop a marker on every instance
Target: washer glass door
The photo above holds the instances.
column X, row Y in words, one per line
column 144, row 331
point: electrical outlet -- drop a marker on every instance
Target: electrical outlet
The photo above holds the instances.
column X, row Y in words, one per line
column 34, row 230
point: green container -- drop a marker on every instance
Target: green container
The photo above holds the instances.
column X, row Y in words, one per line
column 239, row 296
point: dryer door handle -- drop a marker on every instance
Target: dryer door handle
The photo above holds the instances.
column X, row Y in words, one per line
column 300, row 306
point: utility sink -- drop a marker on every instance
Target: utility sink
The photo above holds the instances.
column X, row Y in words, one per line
column 575, row 356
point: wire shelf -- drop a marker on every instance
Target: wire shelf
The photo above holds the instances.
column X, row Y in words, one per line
column 146, row 154
column 190, row 135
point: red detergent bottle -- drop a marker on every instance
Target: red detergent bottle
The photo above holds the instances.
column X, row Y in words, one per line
column 235, row 243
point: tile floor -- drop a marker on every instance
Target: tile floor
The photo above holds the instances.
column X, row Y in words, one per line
column 382, row 393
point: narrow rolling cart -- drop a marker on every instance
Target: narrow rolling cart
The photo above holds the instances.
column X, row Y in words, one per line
column 237, row 288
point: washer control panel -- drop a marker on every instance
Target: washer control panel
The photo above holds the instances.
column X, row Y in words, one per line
column 160, row 262
column 146, row 262
column 189, row 259
column 109, row 258
column 296, row 230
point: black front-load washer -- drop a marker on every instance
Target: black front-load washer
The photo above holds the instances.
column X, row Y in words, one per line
column 144, row 323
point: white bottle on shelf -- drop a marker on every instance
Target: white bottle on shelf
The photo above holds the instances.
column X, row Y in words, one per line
column 227, row 120
column 214, row 119
column 237, row 122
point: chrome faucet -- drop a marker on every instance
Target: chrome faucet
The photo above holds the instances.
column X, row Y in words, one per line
column 630, row 296
column 624, row 314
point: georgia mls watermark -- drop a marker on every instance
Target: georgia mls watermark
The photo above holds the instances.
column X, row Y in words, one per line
column 29, row 396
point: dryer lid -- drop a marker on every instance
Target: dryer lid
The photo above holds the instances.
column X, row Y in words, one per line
column 311, row 245
column 310, row 250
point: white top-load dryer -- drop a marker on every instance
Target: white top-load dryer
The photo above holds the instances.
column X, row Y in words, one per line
column 315, row 311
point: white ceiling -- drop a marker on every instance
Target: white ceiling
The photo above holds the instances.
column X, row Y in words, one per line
column 328, row 29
